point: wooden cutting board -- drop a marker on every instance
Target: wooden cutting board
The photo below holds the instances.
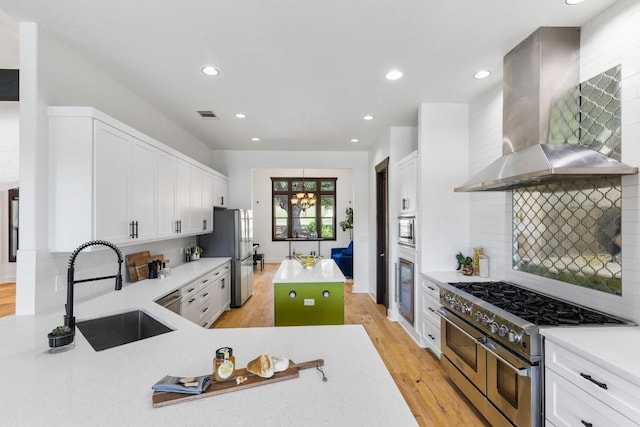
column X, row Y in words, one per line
column 131, row 264
column 160, row 399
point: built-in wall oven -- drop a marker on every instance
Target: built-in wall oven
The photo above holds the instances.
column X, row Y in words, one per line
column 492, row 348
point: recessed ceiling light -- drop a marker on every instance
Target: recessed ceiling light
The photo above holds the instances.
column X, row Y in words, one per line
column 255, row 139
column 482, row 74
column 210, row 71
column 355, row 140
column 572, row 2
column 368, row 117
column 394, row 75
column 240, row 115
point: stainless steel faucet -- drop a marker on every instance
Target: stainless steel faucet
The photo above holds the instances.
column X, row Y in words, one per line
column 69, row 319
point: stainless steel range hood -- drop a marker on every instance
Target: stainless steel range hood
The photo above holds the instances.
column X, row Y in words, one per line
column 540, row 85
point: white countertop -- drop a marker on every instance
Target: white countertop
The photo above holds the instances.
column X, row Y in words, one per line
column 616, row 348
column 291, row 271
column 85, row 387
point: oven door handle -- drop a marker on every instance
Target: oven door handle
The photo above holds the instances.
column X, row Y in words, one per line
column 523, row 372
column 443, row 315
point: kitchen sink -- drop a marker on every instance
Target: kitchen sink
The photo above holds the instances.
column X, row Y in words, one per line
column 111, row 331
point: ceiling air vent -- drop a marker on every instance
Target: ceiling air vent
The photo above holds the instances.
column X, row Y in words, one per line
column 208, row 114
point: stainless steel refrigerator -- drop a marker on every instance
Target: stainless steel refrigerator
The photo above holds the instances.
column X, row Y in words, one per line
column 232, row 236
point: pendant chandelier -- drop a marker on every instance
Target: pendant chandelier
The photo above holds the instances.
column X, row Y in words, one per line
column 303, row 199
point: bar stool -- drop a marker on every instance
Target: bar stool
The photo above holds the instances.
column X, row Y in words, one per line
column 259, row 257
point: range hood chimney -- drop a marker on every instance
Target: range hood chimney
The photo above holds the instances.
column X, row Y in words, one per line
column 539, row 73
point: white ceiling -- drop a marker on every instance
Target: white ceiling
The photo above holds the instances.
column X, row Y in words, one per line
column 304, row 72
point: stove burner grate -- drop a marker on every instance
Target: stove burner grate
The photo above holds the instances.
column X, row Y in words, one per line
column 533, row 307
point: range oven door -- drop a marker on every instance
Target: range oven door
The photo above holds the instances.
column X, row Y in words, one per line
column 461, row 346
column 512, row 385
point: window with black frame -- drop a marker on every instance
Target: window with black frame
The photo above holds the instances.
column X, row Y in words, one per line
column 303, row 208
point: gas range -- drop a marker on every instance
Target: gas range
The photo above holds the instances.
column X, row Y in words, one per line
column 512, row 315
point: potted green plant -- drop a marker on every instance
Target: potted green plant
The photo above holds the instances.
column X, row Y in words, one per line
column 465, row 263
column 196, row 251
column 347, row 224
column 60, row 336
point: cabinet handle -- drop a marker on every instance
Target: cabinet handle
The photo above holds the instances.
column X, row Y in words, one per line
column 217, row 273
column 431, row 309
column 179, row 226
column 222, row 284
column 137, row 229
column 177, row 229
column 204, row 325
column 204, row 310
column 204, row 224
column 191, row 290
column 431, row 287
column 405, row 203
column 221, row 200
column 191, row 300
column 205, row 280
column 131, row 230
column 431, row 336
column 204, row 295
column 586, row 424
column 596, row 382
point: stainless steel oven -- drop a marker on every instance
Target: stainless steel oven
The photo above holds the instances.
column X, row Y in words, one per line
column 492, row 347
column 503, row 386
column 407, row 231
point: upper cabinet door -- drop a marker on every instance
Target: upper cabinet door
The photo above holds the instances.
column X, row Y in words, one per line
column 111, row 176
column 220, row 191
column 196, row 178
column 166, row 183
column 143, row 190
column 183, row 182
column 407, row 170
column 207, row 201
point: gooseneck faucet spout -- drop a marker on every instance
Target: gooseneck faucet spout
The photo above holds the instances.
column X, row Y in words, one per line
column 69, row 319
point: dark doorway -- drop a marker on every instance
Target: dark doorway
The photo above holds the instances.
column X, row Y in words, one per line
column 382, row 233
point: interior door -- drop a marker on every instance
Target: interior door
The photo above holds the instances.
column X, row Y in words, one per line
column 382, row 233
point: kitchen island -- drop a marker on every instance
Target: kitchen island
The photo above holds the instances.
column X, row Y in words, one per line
column 84, row 387
column 308, row 296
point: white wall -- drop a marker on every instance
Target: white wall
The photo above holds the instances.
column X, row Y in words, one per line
column 444, row 215
column 53, row 74
column 611, row 38
column 240, row 166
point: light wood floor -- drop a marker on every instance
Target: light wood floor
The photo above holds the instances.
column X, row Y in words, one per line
column 7, row 299
column 432, row 399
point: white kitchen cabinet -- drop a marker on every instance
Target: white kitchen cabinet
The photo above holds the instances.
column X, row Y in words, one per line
column 182, row 196
column 111, row 182
column 581, row 392
column 143, row 190
column 407, row 170
column 208, row 185
column 207, row 297
column 112, row 176
column 167, row 210
column 200, row 201
column 220, row 191
column 428, row 319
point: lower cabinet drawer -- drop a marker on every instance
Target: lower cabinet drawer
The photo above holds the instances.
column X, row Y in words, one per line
column 430, row 333
column 567, row 405
column 615, row 391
